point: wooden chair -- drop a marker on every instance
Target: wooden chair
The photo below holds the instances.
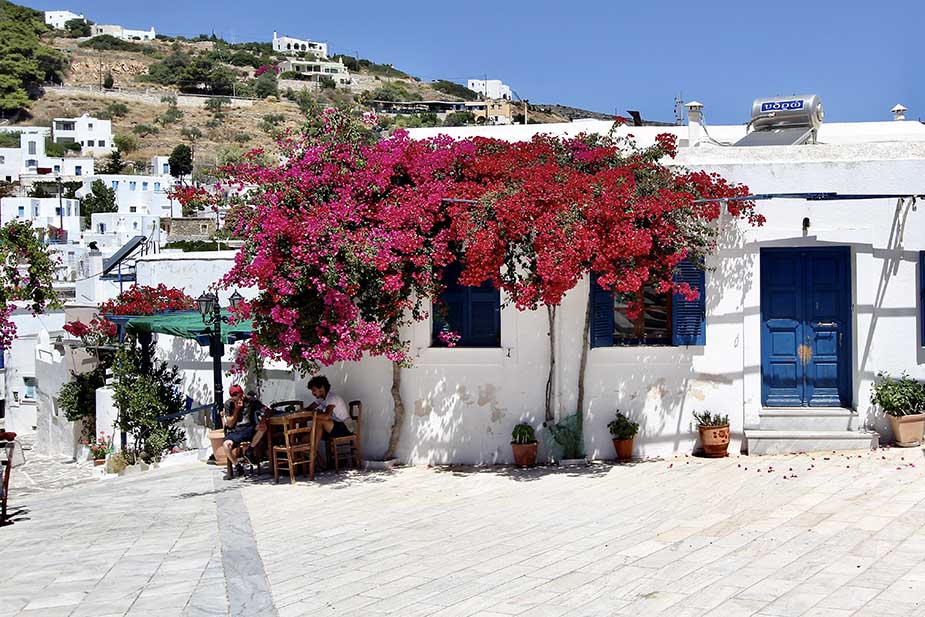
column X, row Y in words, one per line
column 352, row 442
column 298, row 447
column 6, row 468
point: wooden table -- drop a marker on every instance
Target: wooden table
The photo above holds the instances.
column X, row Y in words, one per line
column 281, row 420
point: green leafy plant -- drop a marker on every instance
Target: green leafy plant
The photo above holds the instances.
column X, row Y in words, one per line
column 902, row 396
column 705, row 418
column 117, row 110
column 77, row 399
column 126, row 142
column 566, row 433
column 523, row 434
column 116, row 463
column 143, row 130
column 143, row 397
column 622, row 427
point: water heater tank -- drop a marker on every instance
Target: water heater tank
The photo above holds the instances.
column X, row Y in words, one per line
column 782, row 112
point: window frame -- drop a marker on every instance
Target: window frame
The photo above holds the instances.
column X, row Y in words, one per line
column 465, row 297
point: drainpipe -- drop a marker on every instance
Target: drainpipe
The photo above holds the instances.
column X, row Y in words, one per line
column 694, row 119
column 899, row 112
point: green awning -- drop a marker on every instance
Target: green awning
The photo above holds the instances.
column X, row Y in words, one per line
column 188, row 324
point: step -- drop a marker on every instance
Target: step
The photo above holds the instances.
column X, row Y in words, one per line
column 761, row 441
column 808, row 419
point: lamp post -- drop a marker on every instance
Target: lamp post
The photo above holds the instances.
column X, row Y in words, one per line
column 211, row 312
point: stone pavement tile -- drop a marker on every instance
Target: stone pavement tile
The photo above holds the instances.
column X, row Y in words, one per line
column 56, row 611
column 55, row 600
column 849, row 597
column 736, row 607
column 792, row 604
column 767, row 590
column 545, row 610
column 818, row 611
column 651, row 603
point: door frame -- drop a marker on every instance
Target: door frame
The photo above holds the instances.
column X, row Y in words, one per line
column 846, row 359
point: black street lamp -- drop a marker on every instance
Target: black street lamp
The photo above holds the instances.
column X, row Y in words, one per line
column 211, row 312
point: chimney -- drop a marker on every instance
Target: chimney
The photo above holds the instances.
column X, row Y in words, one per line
column 899, row 112
column 694, row 118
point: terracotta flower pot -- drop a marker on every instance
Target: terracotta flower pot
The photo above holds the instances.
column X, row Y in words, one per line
column 524, row 454
column 99, row 461
column 624, row 448
column 715, row 440
column 907, row 430
column 216, row 438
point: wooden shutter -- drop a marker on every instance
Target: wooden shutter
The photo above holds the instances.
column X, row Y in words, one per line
column 688, row 317
column 484, row 307
column 601, row 315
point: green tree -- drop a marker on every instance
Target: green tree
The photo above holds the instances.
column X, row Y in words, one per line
column 101, row 198
column 78, row 400
column 126, row 142
column 266, row 85
column 108, row 81
column 459, row 118
column 114, row 163
column 181, row 161
column 221, row 81
column 216, row 105
column 25, row 63
column 117, row 110
column 454, row 89
column 327, row 82
column 77, row 27
column 191, row 133
column 142, row 397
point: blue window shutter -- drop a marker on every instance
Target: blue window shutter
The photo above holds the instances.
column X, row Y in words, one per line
column 484, row 308
column 922, row 295
column 601, row 315
column 688, row 317
column 474, row 313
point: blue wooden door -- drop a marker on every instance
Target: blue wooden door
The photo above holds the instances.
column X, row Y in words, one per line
column 805, row 327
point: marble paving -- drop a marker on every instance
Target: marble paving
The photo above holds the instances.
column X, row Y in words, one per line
column 831, row 534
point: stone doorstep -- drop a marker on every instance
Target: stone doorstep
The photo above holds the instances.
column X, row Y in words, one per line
column 762, row 441
column 808, row 418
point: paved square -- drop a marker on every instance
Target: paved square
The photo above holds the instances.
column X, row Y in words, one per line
column 823, row 534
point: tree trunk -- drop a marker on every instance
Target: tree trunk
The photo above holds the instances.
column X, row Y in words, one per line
column 399, row 418
column 551, row 312
column 582, row 364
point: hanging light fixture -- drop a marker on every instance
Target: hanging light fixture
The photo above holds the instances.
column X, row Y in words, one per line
column 206, row 302
column 235, row 299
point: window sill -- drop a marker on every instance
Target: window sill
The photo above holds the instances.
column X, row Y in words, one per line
column 459, row 356
column 667, row 355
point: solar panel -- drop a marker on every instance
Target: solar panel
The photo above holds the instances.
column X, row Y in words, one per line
column 122, row 253
column 777, row 137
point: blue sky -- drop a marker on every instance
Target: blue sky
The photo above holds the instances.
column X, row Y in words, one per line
column 608, row 56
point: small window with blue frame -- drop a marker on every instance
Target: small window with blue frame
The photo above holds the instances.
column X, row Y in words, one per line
column 465, row 316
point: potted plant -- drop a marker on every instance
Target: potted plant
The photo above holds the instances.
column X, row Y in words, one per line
column 523, row 443
column 714, row 433
column 902, row 399
column 622, row 429
column 567, row 433
column 100, row 449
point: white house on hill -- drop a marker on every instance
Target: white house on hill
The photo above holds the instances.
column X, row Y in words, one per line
column 123, row 33
column 93, row 134
column 490, row 88
column 29, row 161
column 288, row 44
column 57, row 19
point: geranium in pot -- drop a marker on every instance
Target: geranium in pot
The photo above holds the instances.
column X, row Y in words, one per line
column 101, row 449
column 902, row 399
column 714, row 433
column 623, row 430
column 523, row 443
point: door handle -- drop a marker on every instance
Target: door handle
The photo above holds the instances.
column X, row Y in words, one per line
column 827, row 324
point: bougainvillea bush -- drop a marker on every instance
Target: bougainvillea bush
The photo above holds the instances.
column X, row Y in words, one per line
column 26, row 273
column 346, row 236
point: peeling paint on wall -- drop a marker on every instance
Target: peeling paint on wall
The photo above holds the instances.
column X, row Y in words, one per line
column 423, row 407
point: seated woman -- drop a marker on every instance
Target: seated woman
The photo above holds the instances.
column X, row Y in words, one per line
column 333, row 413
column 239, row 419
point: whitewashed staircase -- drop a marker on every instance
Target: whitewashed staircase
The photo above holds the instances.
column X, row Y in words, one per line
column 808, row 429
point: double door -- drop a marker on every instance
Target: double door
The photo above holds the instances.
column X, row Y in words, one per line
column 806, row 327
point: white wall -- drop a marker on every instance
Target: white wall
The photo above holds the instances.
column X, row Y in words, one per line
column 57, row 19
column 112, row 230
column 94, row 134
column 136, row 194
column 20, row 364
column 43, row 212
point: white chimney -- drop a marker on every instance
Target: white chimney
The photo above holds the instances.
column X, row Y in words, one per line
column 899, row 112
column 694, row 119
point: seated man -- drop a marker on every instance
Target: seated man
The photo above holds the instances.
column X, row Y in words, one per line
column 333, row 413
column 263, row 413
column 239, row 419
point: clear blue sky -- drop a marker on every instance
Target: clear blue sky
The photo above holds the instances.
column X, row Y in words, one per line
column 861, row 57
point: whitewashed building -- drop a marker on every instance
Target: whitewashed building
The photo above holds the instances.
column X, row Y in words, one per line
column 315, row 70
column 30, row 159
column 123, row 33
column 44, row 212
column 93, row 134
column 57, row 19
column 109, row 231
column 136, row 194
column 490, row 88
column 290, row 45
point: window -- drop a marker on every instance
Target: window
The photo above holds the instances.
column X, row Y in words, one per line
column 89, row 143
column 474, row 313
column 31, row 147
column 101, row 143
column 32, row 163
column 132, row 209
column 57, row 211
column 166, row 168
column 21, row 211
column 115, row 184
column 90, row 126
column 30, row 386
column 131, row 185
column 57, row 169
column 2, row 160
column 157, row 186
column 101, row 228
column 78, row 170
column 666, row 319
column 144, row 186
